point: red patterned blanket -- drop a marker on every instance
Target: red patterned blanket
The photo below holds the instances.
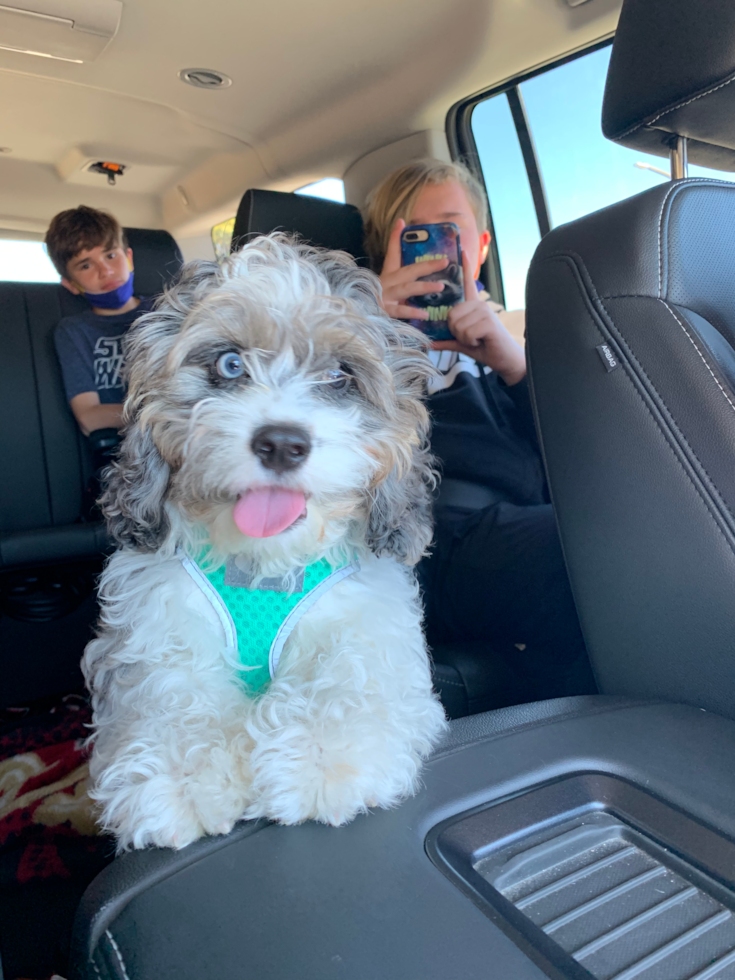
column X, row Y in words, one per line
column 50, row 848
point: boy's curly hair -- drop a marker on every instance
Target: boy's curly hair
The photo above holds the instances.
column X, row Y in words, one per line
column 396, row 195
column 79, row 229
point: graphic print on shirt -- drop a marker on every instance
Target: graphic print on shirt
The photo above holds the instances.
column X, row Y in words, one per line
column 108, row 362
column 449, row 364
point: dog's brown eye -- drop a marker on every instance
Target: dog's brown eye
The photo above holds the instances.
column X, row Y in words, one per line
column 230, row 365
column 336, row 380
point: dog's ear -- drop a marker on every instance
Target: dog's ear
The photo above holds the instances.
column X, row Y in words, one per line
column 135, row 493
column 399, row 522
column 136, row 483
column 400, row 519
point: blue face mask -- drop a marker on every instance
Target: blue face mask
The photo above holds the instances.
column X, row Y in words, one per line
column 114, row 299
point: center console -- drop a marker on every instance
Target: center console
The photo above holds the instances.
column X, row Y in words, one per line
column 580, row 838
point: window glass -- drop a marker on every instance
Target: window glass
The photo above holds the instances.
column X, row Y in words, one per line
column 330, row 188
column 511, row 204
column 25, row 262
column 222, row 238
column 581, row 170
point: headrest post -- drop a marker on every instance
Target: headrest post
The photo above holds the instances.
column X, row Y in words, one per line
column 679, row 163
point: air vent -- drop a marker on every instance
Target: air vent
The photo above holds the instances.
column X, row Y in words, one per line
column 613, row 907
column 205, row 78
column 568, row 870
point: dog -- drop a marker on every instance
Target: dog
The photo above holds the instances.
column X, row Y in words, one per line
column 275, row 429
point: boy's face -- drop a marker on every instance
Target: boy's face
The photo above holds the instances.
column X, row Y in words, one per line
column 98, row 270
column 448, row 202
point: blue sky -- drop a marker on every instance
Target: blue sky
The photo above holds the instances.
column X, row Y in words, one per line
column 582, row 171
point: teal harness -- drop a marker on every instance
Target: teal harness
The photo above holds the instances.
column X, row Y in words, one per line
column 258, row 619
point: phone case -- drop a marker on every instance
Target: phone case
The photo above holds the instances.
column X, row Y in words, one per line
column 442, row 240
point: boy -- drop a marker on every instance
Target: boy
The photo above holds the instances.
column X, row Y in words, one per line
column 497, row 573
column 89, row 251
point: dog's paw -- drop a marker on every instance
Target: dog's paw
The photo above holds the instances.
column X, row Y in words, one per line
column 331, row 781
column 168, row 811
column 185, row 831
column 175, row 825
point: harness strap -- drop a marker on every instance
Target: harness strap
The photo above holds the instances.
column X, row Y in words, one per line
column 241, row 630
column 303, row 606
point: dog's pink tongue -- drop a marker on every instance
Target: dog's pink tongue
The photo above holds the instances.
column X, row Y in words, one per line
column 263, row 513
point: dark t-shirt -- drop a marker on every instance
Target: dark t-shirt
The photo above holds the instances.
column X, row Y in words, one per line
column 483, row 432
column 89, row 347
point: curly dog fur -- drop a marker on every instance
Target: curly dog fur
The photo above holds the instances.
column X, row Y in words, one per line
column 180, row 747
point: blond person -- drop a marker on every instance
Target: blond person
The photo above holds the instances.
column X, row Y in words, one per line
column 497, row 572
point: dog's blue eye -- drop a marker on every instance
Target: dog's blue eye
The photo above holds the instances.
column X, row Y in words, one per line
column 230, row 365
column 336, row 380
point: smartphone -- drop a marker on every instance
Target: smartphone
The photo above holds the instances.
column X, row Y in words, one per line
column 422, row 243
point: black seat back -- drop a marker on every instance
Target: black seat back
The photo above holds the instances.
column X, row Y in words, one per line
column 44, row 460
column 327, row 224
column 631, row 343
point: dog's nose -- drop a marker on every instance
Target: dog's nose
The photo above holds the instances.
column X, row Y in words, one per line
column 281, row 447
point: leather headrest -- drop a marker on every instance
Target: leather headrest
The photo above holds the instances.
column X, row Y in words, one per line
column 327, row 224
column 157, row 259
column 670, row 72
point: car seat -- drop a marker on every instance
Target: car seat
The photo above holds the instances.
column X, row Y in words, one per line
column 327, row 224
column 48, row 555
column 631, row 337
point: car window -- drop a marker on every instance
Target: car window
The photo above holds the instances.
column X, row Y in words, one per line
column 330, row 188
column 25, row 262
column 515, row 225
column 222, row 238
column 580, row 171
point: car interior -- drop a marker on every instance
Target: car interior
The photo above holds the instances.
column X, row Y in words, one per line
column 590, row 836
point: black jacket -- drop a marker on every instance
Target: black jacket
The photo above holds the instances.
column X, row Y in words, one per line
column 483, row 432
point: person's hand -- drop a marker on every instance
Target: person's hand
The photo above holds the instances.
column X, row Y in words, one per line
column 401, row 281
column 480, row 334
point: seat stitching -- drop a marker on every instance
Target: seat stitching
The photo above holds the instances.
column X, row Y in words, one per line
column 663, row 402
column 691, row 340
column 656, row 421
column 96, row 969
column 441, row 680
column 629, row 296
column 673, row 108
column 677, row 185
column 117, row 953
column 668, row 193
column 566, row 257
column 683, row 469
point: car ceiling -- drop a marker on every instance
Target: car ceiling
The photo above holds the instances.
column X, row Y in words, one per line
column 314, row 88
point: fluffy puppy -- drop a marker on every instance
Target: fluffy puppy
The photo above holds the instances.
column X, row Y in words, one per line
column 274, row 421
